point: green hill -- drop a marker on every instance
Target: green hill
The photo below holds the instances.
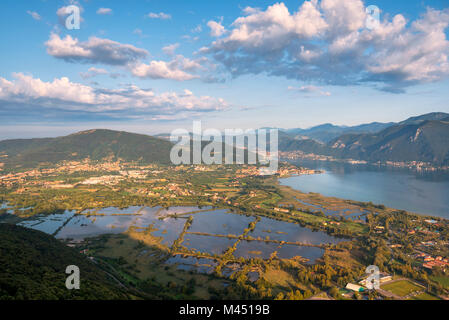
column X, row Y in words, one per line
column 32, row 266
column 94, row 144
column 426, row 141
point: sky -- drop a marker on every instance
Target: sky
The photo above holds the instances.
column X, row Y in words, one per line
column 155, row 66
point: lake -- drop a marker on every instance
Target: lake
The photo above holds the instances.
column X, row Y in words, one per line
column 420, row 192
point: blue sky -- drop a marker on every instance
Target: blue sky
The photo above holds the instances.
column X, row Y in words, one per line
column 152, row 66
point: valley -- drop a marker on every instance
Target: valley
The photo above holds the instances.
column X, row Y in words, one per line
column 221, row 231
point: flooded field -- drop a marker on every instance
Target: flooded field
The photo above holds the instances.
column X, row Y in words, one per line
column 264, row 250
column 220, row 222
column 190, row 263
column 206, row 244
column 289, row 232
column 48, row 224
column 209, row 233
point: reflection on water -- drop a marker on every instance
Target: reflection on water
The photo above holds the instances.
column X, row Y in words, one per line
column 264, row 250
column 114, row 210
column 255, row 249
column 111, row 221
column 181, row 210
column 211, row 245
column 168, row 226
column 201, row 265
column 284, row 231
column 288, row 251
column 80, row 226
column 220, row 222
column 48, row 224
column 420, row 192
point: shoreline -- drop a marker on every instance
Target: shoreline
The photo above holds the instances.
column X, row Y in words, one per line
column 417, row 166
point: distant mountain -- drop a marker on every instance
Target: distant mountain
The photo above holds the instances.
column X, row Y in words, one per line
column 369, row 127
column 415, row 139
column 425, row 117
column 33, row 266
column 328, row 132
column 421, row 138
column 96, row 144
column 426, row 141
column 287, row 143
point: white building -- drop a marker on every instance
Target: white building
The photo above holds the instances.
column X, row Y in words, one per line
column 354, row 287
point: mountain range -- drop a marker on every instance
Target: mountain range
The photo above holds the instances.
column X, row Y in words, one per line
column 328, row 132
column 423, row 138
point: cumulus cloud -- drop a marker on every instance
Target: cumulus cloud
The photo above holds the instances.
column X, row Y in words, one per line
column 62, row 94
column 35, row 15
column 328, row 42
column 216, row 29
column 104, row 11
column 95, row 50
column 177, row 69
column 105, row 51
column 170, row 49
column 160, row 15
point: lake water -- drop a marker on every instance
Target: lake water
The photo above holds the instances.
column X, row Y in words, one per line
column 421, row 192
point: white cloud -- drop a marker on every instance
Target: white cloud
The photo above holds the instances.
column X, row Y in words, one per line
column 160, row 15
column 104, row 11
column 170, row 49
column 35, row 15
column 216, row 29
column 93, row 72
column 104, row 51
column 311, row 90
column 327, row 42
column 95, row 50
column 420, row 54
column 25, row 88
column 161, row 70
column 179, row 68
column 129, row 101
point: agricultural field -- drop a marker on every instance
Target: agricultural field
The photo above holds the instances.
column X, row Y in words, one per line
column 402, row 288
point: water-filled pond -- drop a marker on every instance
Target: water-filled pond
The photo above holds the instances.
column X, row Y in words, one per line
column 201, row 265
column 169, row 227
column 289, row 232
column 206, row 244
column 220, row 222
column 263, row 250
